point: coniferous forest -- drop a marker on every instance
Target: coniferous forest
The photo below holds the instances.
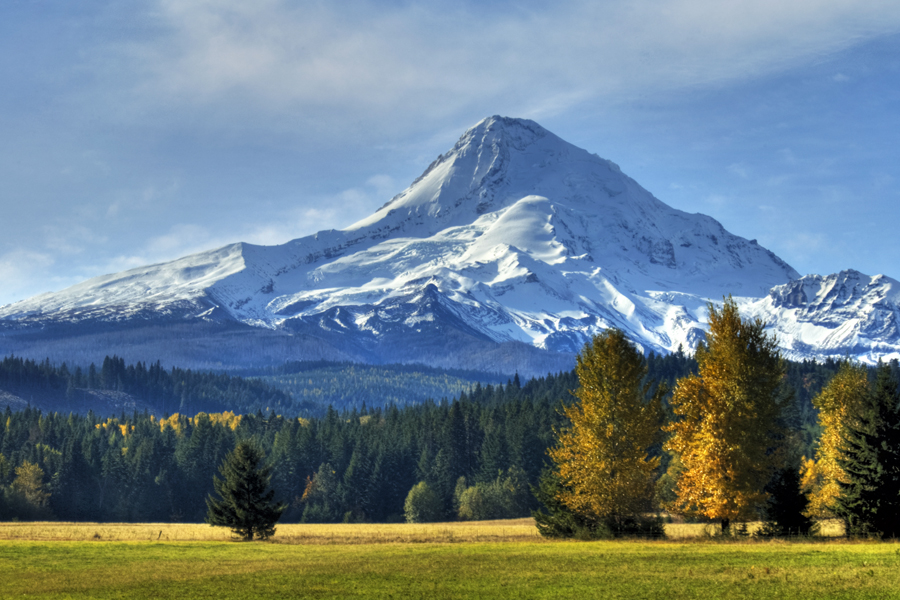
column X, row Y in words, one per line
column 479, row 455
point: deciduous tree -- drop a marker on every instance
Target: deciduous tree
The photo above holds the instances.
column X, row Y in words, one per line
column 603, row 457
column 422, row 504
column 726, row 431
column 841, row 405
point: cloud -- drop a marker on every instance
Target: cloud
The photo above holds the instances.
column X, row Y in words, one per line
column 20, row 269
column 787, row 156
column 403, row 62
column 719, row 200
column 327, row 212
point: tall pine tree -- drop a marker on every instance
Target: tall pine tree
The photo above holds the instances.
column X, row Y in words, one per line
column 869, row 502
column 245, row 503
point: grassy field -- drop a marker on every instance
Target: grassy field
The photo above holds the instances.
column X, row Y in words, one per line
column 501, row 559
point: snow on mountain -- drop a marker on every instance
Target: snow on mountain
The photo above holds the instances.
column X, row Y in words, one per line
column 512, row 236
column 845, row 314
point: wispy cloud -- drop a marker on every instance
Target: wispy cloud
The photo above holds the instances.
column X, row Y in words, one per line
column 319, row 61
column 21, row 270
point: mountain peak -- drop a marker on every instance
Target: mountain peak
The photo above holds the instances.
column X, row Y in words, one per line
column 495, row 163
column 518, row 133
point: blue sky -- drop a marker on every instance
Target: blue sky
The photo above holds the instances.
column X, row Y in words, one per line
column 138, row 132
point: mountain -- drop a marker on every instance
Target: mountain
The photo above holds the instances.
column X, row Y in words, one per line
column 845, row 314
column 507, row 253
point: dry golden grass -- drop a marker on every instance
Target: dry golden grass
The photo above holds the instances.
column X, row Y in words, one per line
column 682, row 531
column 513, row 530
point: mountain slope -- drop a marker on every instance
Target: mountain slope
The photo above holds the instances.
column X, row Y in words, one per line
column 513, row 248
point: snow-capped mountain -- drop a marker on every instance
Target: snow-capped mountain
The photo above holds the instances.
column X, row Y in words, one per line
column 510, row 251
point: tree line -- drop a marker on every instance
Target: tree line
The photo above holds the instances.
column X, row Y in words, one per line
column 344, row 466
column 160, row 390
column 477, row 456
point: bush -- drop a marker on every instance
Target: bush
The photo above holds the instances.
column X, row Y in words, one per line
column 506, row 497
column 422, row 505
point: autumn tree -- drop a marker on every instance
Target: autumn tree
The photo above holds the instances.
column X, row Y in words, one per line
column 245, row 503
column 603, row 456
column 726, row 429
column 841, row 404
column 28, row 497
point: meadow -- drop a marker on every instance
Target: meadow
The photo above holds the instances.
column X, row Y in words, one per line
column 499, row 559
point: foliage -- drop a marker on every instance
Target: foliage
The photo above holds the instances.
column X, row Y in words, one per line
column 140, row 468
column 726, row 431
column 245, row 503
column 842, row 403
column 786, row 509
column 422, row 505
column 506, row 497
column 27, row 498
column 556, row 520
column 152, row 386
column 869, row 499
column 603, row 455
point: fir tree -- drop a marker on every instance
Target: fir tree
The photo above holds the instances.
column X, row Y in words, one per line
column 870, row 497
column 245, row 503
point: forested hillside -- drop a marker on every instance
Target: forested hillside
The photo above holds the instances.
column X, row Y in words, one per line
column 296, row 389
column 344, row 465
column 348, row 386
column 115, row 387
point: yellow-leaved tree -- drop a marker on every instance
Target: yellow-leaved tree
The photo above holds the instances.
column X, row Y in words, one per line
column 602, row 457
column 840, row 404
column 726, row 434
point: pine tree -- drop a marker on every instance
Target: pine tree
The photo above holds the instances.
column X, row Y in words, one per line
column 869, row 501
column 603, row 458
column 246, row 504
column 726, row 431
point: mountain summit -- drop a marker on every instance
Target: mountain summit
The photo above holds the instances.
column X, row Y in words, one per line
column 508, row 252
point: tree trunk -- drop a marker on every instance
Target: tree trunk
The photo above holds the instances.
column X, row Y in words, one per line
column 726, row 526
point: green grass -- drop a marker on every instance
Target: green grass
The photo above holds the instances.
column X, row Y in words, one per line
column 521, row 570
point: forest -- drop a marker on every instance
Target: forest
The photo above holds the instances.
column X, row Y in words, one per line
column 482, row 452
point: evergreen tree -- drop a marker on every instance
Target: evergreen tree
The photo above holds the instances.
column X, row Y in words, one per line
column 245, row 503
column 787, row 506
column 870, row 497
